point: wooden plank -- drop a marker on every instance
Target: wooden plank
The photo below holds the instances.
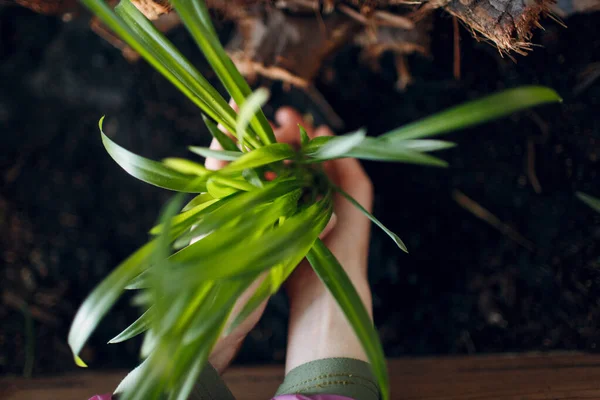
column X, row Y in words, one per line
column 556, row 376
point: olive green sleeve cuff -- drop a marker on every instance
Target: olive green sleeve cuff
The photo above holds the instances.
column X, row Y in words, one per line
column 337, row 376
column 210, row 386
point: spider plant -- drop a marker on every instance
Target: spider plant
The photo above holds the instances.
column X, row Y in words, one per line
column 592, row 202
column 240, row 226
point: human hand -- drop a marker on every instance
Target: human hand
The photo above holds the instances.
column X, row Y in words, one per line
column 318, row 328
column 346, row 235
column 228, row 346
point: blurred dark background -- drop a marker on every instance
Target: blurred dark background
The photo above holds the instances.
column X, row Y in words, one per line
column 69, row 214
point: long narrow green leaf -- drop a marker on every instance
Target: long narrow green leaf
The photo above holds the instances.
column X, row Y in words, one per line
column 142, row 298
column 277, row 275
column 218, row 189
column 338, row 146
column 420, row 145
column 140, row 325
column 147, row 381
column 262, row 156
column 225, row 141
column 174, row 226
column 160, row 259
column 261, row 294
column 188, row 216
column 146, row 39
column 186, row 167
column 130, row 382
column 248, row 109
column 476, row 112
column 152, row 386
column 182, row 389
column 356, row 204
column 225, row 155
column 243, row 202
column 269, row 286
column 221, row 186
column 238, row 183
column 202, row 297
column 221, row 304
column 304, row 139
column 313, row 145
column 407, row 151
column 252, row 177
column 268, row 250
column 150, row 171
column 591, row 201
column 195, row 17
column 341, row 288
column 170, row 359
column 174, row 365
column 148, row 344
column 232, row 232
column 138, row 282
column 193, row 357
column 378, row 150
column 177, row 306
column 102, row 298
column 197, row 200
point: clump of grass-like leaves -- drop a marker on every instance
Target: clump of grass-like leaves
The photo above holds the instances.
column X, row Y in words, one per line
column 240, row 225
column 592, row 202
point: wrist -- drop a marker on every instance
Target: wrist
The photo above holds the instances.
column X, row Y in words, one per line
column 224, row 352
column 319, row 329
column 317, row 297
column 305, row 283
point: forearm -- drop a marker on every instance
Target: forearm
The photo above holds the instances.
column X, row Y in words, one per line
column 318, row 328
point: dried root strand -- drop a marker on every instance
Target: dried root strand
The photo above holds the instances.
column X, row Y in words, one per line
column 397, row 40
column 152, row 9
column 287, row 47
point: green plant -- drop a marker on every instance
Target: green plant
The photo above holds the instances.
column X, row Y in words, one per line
column 249, row 227
column 591, row 201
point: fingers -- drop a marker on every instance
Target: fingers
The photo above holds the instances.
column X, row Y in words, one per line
column 288, row 132
column 212, row 163
column 352, row 226
column 288, row 116
column 235, row 107
column 349, row 175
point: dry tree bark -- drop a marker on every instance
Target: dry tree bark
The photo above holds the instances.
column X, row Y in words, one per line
column 288, row 40
column 507, row 23
column 399, row 26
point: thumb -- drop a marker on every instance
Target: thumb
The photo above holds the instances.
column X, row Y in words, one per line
column 329, row 227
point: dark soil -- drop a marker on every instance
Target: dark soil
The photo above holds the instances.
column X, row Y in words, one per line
column 68, row 214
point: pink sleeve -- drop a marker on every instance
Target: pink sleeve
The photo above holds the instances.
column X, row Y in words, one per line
column 284, row 397
column 315, row 397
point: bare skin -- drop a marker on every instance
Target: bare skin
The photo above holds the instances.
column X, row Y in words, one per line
column 318, row 329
